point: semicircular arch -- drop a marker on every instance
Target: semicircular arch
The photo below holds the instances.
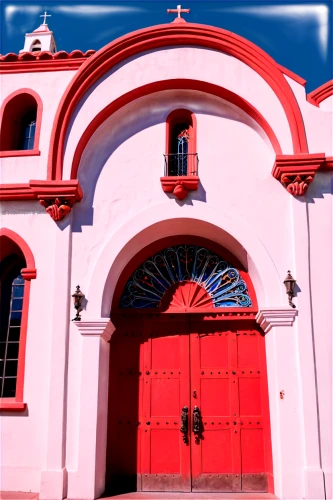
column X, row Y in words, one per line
column 156, row 37
column 163, row 85
column 146, row 227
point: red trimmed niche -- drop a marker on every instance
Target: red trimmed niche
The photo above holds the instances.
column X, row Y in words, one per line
column 180, row 122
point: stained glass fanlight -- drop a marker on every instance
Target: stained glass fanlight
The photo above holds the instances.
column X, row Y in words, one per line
column 185, row 263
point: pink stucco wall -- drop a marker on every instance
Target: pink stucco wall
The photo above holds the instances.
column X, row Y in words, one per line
column 239, row 204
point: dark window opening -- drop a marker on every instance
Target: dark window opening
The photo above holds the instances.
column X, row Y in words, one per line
column 27, row 131
column 36, row 46
column 12, row 292
column 19, row 122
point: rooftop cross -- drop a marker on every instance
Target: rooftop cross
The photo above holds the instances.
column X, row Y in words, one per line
column 45, row 15
column 179, row 10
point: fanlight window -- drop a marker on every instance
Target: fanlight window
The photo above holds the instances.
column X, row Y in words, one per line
column 185, row 263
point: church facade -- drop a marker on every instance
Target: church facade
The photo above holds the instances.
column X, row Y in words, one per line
column 166, row 269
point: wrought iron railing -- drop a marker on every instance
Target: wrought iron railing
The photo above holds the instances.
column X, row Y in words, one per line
column 181, row 164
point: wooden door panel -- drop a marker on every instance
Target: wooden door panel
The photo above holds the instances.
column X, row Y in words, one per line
column 228, row 374
column 253, row 409
column 125, row 404
column 215, row 396
column 165, row 456
column 157, row 368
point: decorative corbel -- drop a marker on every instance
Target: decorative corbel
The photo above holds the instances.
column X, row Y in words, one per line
column 296, row 172
column 180, row 185
column 58, row 197
column 57, row 208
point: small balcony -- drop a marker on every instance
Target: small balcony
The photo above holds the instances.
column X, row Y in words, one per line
column 180, row 174
column 181, row 164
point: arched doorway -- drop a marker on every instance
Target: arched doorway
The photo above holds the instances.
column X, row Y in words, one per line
column 188, row 398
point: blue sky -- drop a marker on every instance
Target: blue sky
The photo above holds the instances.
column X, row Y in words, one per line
column 296, row 34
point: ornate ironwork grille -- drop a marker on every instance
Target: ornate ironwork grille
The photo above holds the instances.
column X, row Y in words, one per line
column 177, row 164
column 10, row 340
column 149, row 283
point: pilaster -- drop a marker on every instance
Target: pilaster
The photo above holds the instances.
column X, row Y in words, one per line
column 88, row 480
column 313, row 473
column 53, row 475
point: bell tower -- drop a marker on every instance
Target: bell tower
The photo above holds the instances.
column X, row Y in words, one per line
column 41, row 39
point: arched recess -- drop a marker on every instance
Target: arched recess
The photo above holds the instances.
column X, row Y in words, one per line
column 162, row 220
column 11, row 244
column 163, row 355
column 159, row 86
column 13, row 109
column 163, row 36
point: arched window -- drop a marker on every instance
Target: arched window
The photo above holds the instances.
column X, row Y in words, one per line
column 20, row 123
column 15, row 276
column 12, row 293
column 181, row 154
column 36, row 46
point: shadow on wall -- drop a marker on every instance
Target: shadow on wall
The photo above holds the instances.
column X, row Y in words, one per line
column 137, row 116
column 322, row 184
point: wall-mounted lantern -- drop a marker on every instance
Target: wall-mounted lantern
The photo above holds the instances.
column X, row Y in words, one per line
column 290, row 283
column 78, row 297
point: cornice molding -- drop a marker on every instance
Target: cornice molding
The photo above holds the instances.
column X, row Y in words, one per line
column 29, row 62
column 269, row 317
column 102, row 328
column 58, row 197
column 320, row 94
column 296, row 172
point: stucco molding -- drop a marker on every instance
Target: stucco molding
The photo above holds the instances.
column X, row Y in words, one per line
column 296, row 172
column 320, row 94
column 167, row 35
column 102, row 328
column 269, row 317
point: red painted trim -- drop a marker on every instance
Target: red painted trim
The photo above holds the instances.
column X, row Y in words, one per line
column 296, row 172
column 321, row 93
column 177, row 116
column 28, row 273
column 168, row 85
column 10, row 404
column 24, row 247
column 328, row 163
column 167, row 35
column 190, row 182
column 41, row 66
column 27, row 152
column 297, row 163
column 292, row 75
column 30, row 62
column 156, row 246
column 39, row 104
column 36, row 190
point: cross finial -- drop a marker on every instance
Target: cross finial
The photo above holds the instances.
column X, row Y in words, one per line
column 178, row 11
column 45, row 15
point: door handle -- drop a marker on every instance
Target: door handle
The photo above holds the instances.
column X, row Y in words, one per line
column 184, row 421
column 196, row 420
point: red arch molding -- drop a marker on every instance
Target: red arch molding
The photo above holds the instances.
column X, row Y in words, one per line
column 163, row 36
column 321, row 93
column 28, row 273
column 151, row 88
column 29, row 152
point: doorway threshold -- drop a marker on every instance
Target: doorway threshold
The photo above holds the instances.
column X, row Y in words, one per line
column 141, row 495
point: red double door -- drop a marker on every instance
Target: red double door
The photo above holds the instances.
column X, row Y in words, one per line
column 189, row 407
